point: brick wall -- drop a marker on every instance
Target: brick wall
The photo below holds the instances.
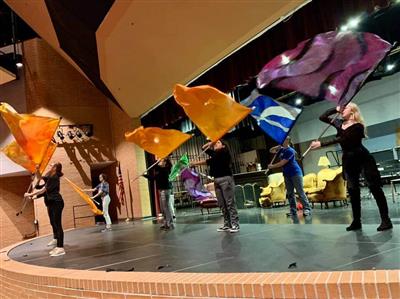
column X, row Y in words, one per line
column 19, row 280
column 13, row 228
column 54, row 88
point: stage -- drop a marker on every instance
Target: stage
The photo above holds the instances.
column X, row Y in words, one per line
column 271, row 257
column 200, row 248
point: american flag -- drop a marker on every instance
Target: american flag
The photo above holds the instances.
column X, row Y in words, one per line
column 121, row 189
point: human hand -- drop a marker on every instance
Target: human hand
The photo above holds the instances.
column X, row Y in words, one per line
column 270, row 166
column 315, row 144
column 340, row 109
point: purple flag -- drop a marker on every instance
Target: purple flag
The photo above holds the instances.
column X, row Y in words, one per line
column 331, row 66
column 192, row 182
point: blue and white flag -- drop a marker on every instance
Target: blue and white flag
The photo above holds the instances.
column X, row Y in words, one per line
column 276, row 119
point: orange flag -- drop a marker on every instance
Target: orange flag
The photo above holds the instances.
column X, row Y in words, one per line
column 213, row 111
column 86, row 198
column 16, row 154
column 159, row 142
column 32, row 133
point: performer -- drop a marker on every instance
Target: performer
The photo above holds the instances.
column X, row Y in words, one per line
column 356, row 158
column 55, row 204
column 293, row 176
column 103, row 190
column 220, row 168
column 160, row 176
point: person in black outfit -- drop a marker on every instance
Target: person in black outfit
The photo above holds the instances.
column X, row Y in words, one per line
column 220, row 168
column 160, row 175
column 55, row 204
column 356, row 159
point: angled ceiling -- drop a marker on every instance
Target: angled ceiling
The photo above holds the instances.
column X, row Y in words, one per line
column 135, row 51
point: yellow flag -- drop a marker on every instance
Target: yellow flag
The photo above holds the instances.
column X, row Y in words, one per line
column 159, row 142
column 213, row 111
column 16, row 154
column 86, row 198
column 32, row 133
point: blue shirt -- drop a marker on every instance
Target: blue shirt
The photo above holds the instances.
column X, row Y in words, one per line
column 291, row 168
column 104, row 187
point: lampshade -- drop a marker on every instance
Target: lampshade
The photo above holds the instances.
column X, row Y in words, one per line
column 324, row 161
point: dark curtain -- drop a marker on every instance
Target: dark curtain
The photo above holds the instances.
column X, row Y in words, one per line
column 316, row 17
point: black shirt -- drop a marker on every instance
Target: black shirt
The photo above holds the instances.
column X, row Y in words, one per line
column 160, row 176
column 350, row 139
column 220, row 162
column 52, row 185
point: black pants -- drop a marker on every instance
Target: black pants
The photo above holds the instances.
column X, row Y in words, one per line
column 54, row 210
column 362, row 161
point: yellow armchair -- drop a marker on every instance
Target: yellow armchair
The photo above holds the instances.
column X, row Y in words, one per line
column 330, row 187
column 275, row 192
column 309, row 181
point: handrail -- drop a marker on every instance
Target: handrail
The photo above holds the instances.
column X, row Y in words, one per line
column 82, row 217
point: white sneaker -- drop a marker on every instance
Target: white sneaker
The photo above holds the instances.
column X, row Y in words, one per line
column 52, row 243
column 234, row 229
column 58, row 251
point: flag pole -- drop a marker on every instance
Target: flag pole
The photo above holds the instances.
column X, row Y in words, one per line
column 320, row 136
column 31, row 185
column 272, row 161
column 151, row 166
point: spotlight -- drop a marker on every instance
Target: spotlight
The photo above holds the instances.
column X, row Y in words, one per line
column 78, row 134
column 60, row 135
column 344, row 28
column 332, row 89
column 70, row 135
column 353, row 23
column 390, row 67
column 285, row 59
column 88, row 131
column 298, row 101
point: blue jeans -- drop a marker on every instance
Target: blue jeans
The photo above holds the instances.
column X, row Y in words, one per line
column 296, row 182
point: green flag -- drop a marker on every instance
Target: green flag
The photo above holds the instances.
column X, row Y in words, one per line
column 177, row 168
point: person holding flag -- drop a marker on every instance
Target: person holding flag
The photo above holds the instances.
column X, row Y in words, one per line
column 293, row 176
column 160, row 175
column 103, row 190
column 54, row 202
column 356, row 159
column 220, row 168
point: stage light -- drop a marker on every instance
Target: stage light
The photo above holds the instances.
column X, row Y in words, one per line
column 344, row 28
column 78, row 134
column 390, row 67
column 332, row 89
column 353, row 23
column 70, row 135
column 60, row 135
column 298, row 101
column 285, row 59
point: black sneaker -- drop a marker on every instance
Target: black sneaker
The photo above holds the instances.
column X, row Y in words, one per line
column 385, row 225
column 223, row 229
column 234, row 229
column 354, row 226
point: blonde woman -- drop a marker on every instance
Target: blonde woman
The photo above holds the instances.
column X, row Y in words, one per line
column 356, row 159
